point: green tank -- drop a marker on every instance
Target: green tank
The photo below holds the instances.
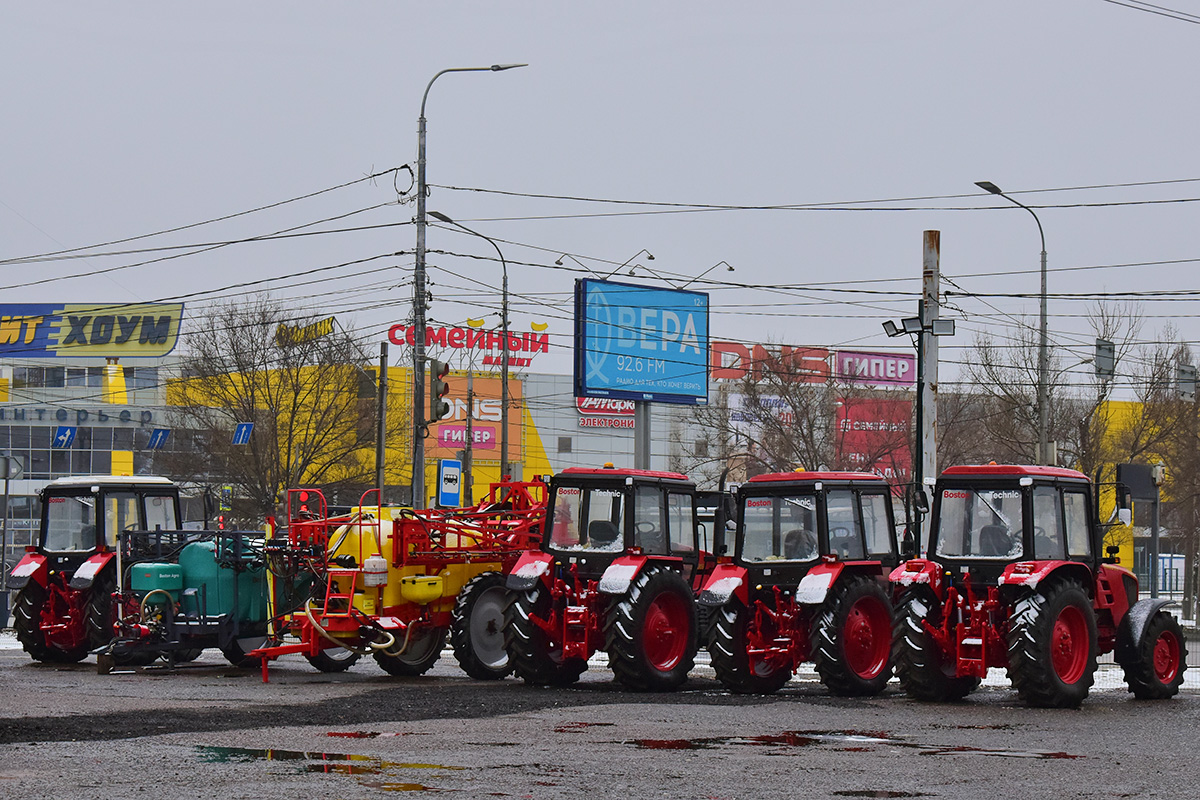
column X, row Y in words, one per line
column 210, row 586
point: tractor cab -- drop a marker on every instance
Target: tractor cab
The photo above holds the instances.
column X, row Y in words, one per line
column 598, row 515
column 789, row 521
column 987, row 518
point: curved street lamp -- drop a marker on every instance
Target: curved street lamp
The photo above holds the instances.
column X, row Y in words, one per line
column 1043, row 391
column 419, row 297
column 504, row 333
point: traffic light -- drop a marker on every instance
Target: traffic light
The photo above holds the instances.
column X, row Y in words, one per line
column 439, row 406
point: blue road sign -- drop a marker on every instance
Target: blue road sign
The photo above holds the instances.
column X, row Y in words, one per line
column 158, row 438
column 64, row 436
column 241, row 434
column 449, row 482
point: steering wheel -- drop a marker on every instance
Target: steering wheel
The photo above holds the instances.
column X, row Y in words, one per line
column 644, row 527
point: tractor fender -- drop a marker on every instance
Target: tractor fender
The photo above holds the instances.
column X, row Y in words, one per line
column 814, row 586
column 88, row 570
column 533, row 566
column 1140, row 615
column 918, row 572
column 33, row 566
column 620, row 574
column 726, row 581
column 1031, row 573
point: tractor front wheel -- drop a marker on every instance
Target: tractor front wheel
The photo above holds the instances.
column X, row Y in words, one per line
column 1154, row 666
column 477, row 629
column 536, row 657
column 851, row 641
column 925, row 671
column 415, row 656
column 729, row 646
column 650, row 634
column 1052, row 644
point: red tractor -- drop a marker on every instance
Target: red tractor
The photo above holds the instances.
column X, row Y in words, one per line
column 807, row 582
column 1014, row 578
column 617, row 570
column 64, row 608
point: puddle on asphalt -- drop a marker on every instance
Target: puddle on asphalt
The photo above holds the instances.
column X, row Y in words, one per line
column 877, row 793
column 571, row 727
column 846, row 741
column 362, row 767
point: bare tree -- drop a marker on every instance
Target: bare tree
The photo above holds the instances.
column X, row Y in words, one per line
column 310, row 398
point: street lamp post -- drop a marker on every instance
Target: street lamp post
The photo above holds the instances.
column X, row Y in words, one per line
column 503, row 332
column 1043, row 387
column 419, row 296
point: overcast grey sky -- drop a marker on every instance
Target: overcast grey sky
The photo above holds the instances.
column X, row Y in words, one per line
column 123, row 119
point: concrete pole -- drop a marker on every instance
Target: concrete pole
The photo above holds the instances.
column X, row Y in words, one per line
column 641, row 434
column 930, row 308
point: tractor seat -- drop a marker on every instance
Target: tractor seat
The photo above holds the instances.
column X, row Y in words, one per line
column 994, row 540
column 602, row 533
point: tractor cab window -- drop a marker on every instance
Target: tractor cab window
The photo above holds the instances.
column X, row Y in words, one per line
column 1079, row 536
column 781, row 528
column 1047, row 524
column 980, row 523
column 588, row 519
column 845, row 527
column 649, row 521
column 877, row 525
column 120, row 514
column 681, row 522
column 160, row 512
column 70, row 524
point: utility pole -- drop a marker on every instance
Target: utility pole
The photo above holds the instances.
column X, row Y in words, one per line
column 468, row 455
column 930, row 307
column 381, row 431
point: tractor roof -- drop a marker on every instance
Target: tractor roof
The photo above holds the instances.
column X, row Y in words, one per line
column 110, row 480
column 1007, row 470
column 621, row 472
column 812, row 477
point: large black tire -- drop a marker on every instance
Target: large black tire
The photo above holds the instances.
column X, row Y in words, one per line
column 925, row 672
column 477, row 628
column 101, row 610
column 535, row 657
column 1052, row 646
column 1154, row 666
column 650, row 632
column 851, row 640
column 27, row 617
column 334, row 659
column 731, row 655
column 235, row 653
column 417, row 656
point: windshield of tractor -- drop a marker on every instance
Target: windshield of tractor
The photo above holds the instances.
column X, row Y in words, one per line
column 782, row 528
column 70, row 524
column 980, row 523
column 588, row 519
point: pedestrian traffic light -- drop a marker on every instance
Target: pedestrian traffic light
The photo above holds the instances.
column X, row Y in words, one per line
column 438, row 389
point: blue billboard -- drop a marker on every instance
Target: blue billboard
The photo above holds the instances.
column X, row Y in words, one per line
column 640, row 342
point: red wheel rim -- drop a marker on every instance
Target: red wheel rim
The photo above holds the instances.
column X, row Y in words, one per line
column 1069, row 645
column 1166, row 657
column 665, row 631
column 867, row 637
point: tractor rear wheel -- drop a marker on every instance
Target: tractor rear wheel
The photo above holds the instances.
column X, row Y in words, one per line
column 736, row 668
column 925, row 672
column 650, row 633
column 477, row 628
column 536, row 658
column 851, row 642
column 27, row 620
column 417, row 656
column 1154, row 666
column 1052, row 644
column 334, row 659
